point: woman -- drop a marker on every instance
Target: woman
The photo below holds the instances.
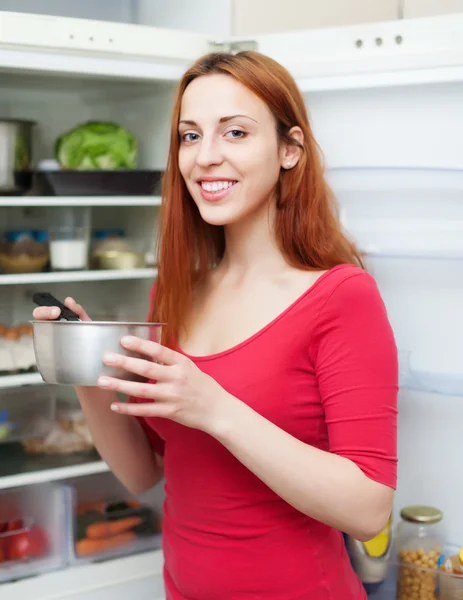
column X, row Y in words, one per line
column 271, row 406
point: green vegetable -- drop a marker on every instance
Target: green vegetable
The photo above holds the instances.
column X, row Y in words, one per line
column 21, row 154
column 97, row 145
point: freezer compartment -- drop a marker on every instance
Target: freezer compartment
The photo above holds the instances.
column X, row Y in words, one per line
column 33, row 530
column 26, row 412
column 108, row 522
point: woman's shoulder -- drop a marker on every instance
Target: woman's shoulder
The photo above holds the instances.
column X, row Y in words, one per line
column 346, row 281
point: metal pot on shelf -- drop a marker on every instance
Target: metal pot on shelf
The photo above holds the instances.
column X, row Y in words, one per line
column 15, row 155
column 70, row 351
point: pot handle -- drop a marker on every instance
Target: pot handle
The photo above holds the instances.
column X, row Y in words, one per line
column 46, row 299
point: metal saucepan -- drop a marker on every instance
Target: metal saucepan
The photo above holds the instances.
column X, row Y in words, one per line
column 15, row 155
column 70, row 352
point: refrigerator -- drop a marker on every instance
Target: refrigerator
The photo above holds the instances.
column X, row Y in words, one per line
column 386, row 104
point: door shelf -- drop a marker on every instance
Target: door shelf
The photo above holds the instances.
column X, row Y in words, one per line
column 109, row 201
column 402, row 212
column 396, row 179
column 69, row 276
column 446, row 383
column 20, row 469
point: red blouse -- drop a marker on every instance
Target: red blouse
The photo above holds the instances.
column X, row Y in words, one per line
column 325, row 371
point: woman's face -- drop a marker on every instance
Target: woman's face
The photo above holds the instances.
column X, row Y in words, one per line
column 229, row 154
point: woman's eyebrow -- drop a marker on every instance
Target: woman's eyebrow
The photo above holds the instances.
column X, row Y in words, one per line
column 222, row 120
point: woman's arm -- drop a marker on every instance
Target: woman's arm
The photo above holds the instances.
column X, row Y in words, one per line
column 122, row 443
column 324, row 486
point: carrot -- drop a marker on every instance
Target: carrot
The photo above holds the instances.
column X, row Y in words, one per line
column 103, row 529
column 85, row 507
column 88, row 546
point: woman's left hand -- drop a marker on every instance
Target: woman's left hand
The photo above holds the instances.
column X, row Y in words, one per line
column 182, row 392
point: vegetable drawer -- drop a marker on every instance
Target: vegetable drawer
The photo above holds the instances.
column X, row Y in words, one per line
column 33, row 530
column 108, row 522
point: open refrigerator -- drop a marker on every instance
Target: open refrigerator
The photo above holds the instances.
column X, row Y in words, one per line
column 385, row 101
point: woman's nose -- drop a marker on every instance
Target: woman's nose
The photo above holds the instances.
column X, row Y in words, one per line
column 209, row 153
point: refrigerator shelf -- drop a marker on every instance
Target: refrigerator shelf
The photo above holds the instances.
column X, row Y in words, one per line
column 378, row 179
column 401, row 212
column 446, row 383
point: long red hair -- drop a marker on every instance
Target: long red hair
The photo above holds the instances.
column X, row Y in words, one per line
column 307, row 226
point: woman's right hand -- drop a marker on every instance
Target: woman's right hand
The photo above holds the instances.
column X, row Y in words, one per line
column 50, row 313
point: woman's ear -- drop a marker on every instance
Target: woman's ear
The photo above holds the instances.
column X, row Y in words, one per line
column 290, row 153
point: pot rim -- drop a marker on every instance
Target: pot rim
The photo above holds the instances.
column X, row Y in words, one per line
column 104, row 323
column 14, row 120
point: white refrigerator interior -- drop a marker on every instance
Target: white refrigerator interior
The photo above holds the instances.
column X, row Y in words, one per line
column 385, row 101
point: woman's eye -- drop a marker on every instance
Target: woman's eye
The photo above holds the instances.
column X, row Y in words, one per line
column 236, row 134
column 190, row 137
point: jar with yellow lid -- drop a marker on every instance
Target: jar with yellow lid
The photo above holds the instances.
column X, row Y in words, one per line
column 420, row 543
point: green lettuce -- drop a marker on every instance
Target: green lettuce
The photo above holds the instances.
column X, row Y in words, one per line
column 97, row 145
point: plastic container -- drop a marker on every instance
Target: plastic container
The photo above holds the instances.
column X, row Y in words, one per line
column 420, row 544
column 22, row 252
column 371, row 559
column 69, row 434
column 451, row 577
column 108, row 522
column 33, row 530
column 26, row 412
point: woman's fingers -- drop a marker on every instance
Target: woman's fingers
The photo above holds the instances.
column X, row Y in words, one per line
column 46, row 313
column 50, row 313
column 136, row 389
column 77, row 308
column 154, row 350
column 143, row 409
column 139, row 366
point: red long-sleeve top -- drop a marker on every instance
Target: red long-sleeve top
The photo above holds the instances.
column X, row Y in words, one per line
column 325, row 371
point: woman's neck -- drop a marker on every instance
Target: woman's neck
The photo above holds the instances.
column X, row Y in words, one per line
column 251, row 247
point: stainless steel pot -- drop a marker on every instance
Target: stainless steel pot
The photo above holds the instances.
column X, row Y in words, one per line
column 70, row 352
column 15, row 155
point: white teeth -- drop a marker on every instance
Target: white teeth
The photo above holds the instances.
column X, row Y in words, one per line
column 216, row 186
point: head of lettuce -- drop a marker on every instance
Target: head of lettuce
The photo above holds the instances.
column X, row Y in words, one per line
column 97, row 145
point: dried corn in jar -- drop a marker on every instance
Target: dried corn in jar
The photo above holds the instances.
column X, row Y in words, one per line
column 420, row 542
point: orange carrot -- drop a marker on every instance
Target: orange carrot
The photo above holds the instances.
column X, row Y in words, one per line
column 85, row 507
column 103, row 529
column 88, row 546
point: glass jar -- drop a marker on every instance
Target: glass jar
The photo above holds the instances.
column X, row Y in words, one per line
column 69, row 233
column 420, row 543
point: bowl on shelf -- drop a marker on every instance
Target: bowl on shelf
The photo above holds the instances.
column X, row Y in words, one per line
column 121, row 259
column 99, row 183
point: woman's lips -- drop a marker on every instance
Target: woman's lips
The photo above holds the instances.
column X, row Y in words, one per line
column 215, row 196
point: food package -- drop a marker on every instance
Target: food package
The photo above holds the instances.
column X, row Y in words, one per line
column 69, row 434
column 16, row 349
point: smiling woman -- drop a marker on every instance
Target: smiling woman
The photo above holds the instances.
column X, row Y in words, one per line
column 271, row 402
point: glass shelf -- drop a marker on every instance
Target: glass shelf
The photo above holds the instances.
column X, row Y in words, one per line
column 402, row 213
column 446, row 383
